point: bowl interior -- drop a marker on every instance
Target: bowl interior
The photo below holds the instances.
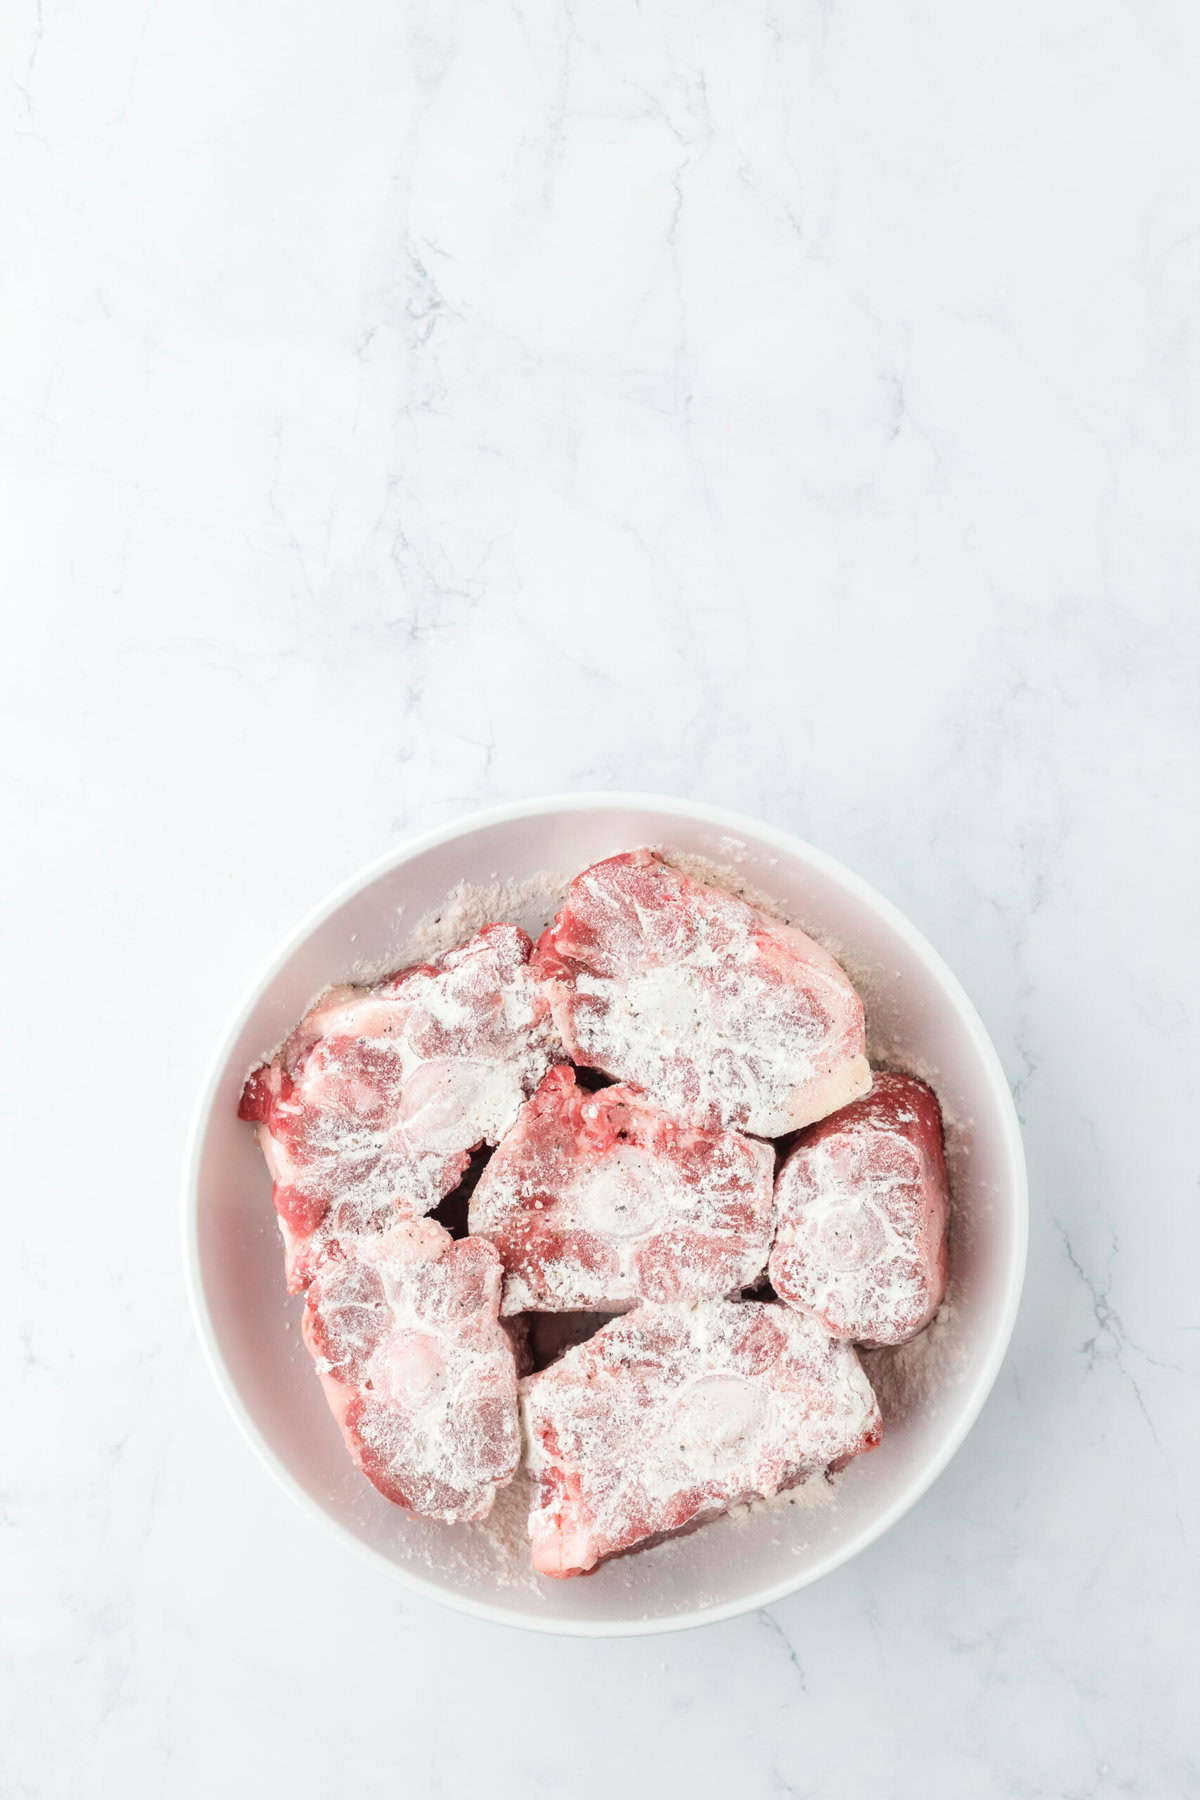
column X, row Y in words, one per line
column 918, row 1019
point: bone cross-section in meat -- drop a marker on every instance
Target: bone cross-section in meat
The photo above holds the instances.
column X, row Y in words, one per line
column 597, row 1200
column 404, row 1328
column 721, row 1014
column 370, row 1110
column 862, row 1208
column 671, row 1414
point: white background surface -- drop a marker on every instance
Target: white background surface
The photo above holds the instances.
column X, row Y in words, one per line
column 409, row 407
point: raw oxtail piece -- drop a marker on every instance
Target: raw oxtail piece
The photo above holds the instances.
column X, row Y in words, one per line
column 418, row 1370
column 372, row 1107
column 721, row 1014
column 862, row 1208
column 672, row 1414
column 598, row 1200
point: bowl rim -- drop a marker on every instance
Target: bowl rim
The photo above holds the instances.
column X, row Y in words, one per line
column 735, row 823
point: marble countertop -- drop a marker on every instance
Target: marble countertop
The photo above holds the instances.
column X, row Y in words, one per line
column 794, row 407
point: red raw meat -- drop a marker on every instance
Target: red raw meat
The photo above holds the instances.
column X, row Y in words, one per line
column 417, row 1368
column 597, row 1200
column 722, row 1014
column 372, row 1107
column 672, row 1414
column 862, row 1207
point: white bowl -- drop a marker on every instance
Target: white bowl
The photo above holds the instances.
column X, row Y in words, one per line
column 919, row 1018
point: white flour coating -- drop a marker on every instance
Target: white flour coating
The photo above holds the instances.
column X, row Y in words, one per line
column 497, row 1548
column 379, row 1094
column 417, row 1369
column 815, row 1490
column 495, row 1551
column 467, row 908
column 908, row 1378
column 674, row 1413
column 887, row 1038
column 492, row 1059
column 852, row 1263
column 595, row 1201
column 729, row 876
column 861, row 1208
column 721, row 1014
